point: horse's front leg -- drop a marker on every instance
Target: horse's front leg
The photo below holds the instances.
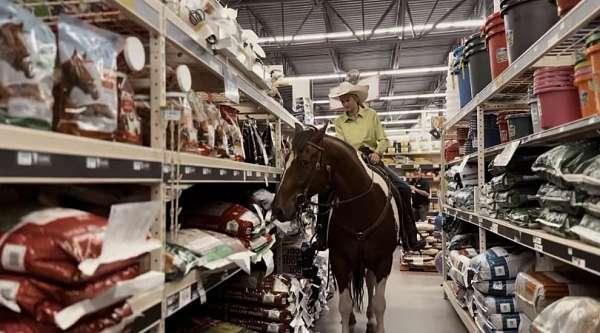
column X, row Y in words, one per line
column 372, row 321
column 345, row 308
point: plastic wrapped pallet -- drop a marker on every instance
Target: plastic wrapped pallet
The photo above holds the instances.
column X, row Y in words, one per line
column 569, row 315
column 537, row 290
column 496, row 288
column 497, row 264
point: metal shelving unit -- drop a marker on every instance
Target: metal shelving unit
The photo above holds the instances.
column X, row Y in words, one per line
column 508, row 92
column 38, row 157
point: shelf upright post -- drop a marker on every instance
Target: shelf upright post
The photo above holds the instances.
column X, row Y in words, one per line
column 279, row 163
column 158, row 139
column 441, row 203
column 480, row 174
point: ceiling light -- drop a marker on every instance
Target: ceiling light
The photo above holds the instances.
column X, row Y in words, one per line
column 400, row 97
column 321, row 101
column 392, row 72
column 400, row 122
column 465, row 24
column 391, row 113
column 404, row 130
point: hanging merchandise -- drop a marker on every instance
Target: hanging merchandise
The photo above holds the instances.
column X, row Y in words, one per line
column 235, row 145
column 185, row 134
column 86, row 98
column 130, row 124
column 27, row 61
column 229, row 218
column 202, row 123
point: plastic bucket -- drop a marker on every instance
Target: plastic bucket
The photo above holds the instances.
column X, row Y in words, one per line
column 479, row 69
column 492, row 133
column 462, row 73
column 558, row 106
column 593, row 53
column 584, row 81
column 519, row 125
column 496, row 43
column 525, row 21
column 564, row 6
column 503, row 128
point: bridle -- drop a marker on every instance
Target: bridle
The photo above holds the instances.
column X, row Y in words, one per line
column 333, row 202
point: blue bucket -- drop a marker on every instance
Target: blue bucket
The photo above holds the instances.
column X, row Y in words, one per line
column 462, row 73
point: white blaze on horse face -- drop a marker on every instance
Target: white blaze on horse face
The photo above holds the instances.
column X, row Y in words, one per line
column 288, row 164
column 382, row 184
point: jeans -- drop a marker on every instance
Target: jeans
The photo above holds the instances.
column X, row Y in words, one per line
column 397, row 181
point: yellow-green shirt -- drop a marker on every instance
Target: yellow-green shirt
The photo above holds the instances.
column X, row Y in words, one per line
column 364, row 131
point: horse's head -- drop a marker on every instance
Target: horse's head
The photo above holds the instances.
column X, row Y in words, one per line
column 306, row 173
column 11, row 34
column 80, row 75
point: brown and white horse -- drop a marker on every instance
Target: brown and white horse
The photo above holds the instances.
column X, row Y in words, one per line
column 362, row 230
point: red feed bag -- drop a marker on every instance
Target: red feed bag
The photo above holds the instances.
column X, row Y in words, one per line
column 231, row 219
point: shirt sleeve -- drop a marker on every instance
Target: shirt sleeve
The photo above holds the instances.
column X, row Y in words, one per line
column 382, row 141
column 339, row 133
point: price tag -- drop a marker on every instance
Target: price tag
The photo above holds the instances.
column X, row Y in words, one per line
column 258, row 173
column 418, row 261
column 538, row 247
column 222, row 172
column 506, row 155
column 249, row 173
column 206, row 171
column 171, row 114
column 185, row 296
column 25, row 158
column 139, row 165
column 578, row 262
column 96, row 163
column 189, row 170
column 236, row 173
column 494, row 228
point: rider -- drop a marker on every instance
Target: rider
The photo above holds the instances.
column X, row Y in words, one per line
column 361, row 128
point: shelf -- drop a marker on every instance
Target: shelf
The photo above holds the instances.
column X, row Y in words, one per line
column 195, row 285
column 463, row 314
column 576, row 253
column 576, row 19
column 202, row 169
column 472, row 158
column 35, row 156
column 414, row 153
column 410, row 167
column 149, row 307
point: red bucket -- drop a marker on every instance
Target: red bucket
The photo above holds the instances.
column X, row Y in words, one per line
column 553, row 70
column 496, row 41
column 564, row 6
column 503, row 127
column 558, row 106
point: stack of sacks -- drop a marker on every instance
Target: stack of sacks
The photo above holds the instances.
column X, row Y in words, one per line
column 569, row 168
column 537, row 290
column 426, row 257
column 494, row 273
column 276, row 303
column 323, row 282
column 209, row 325
column 460, row 274
column 65, row 269
column 222, row 233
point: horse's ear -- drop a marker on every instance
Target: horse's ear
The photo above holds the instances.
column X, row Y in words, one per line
column 322, row 132
column 85, row 56
column 299, row 128
column 74, row 53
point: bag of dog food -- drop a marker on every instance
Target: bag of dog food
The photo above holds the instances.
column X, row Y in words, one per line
column 69, row 246
column 588, row 230
column 496, row 288
column 88, row 64
column 27, row 60
column 524, row 217
column 489, row 305
column 564, row 159
column 228, row 218
column 552, row 197
column 63, row 307
column 110, row 320
column 558, row 223
column 508, row 181
column 498, row 264
column 179, row 261
column 485, row 326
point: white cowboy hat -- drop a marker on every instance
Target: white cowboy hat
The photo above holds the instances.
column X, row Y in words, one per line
column 348, row 88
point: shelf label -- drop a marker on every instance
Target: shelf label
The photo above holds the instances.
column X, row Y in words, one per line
column 258, row 173
column 236, row 173
column 185, row 296
column 96, row 163
column 222, row 172
column 249, row 173
column 494, row 228
column 578, row 262
column 171, row 114
column 507, row 154
column 206, row 171
column 189, row 170
column 27, row 158
column 537, row 244
column 140, row 165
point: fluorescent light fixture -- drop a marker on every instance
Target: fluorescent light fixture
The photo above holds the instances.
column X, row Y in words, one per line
column 391, row 113
column 405, row 130
column 400, row 122
column 321, row 101
column 401, row 97
column 392, row 72
column 464, row 24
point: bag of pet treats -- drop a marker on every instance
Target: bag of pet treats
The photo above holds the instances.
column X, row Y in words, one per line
column 496, row 288
column 87, row 100
column 489, row 305
column 27, row 60
column 588, row 230
column 497, row 264
column 228, row 218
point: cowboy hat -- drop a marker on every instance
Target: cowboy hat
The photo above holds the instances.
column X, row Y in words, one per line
column 348, row 88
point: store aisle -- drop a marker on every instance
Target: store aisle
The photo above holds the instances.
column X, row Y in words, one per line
column 415, row 305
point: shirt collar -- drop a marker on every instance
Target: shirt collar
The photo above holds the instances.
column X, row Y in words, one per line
column 361, row 114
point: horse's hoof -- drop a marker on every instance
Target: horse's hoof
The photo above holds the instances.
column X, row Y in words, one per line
column 352, row 320
column 371, row 328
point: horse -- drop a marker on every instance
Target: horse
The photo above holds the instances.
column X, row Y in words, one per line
column 74, row 73
column 362, row 232
column 14, row 48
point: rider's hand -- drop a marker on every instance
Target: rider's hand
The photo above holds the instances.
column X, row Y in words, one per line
column 375, row 158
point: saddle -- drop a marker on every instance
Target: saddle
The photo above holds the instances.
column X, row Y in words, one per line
column 406, row 228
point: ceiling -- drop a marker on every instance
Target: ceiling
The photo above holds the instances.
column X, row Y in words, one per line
column 423, row 48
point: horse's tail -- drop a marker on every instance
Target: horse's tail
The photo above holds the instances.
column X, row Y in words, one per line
column 357, row 287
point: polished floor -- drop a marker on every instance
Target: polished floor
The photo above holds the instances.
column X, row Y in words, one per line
column 415, row 304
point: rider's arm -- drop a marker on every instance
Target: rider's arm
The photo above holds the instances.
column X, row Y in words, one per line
column 382, row 140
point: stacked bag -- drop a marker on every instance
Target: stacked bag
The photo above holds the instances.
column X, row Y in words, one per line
column 493, row 281
column 66, row 269
column 460, row 252
column 460, row 191
column 572, row 193
column 277, row 303
column 424, row 258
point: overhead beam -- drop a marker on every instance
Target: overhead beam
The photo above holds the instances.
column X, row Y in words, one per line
column 441, row 19
column 395, row 61
column 430, row 13
column 341, row 18
column 331, row 49
column 383, row 16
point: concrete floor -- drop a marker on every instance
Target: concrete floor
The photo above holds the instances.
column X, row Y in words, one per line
column 415, row 304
